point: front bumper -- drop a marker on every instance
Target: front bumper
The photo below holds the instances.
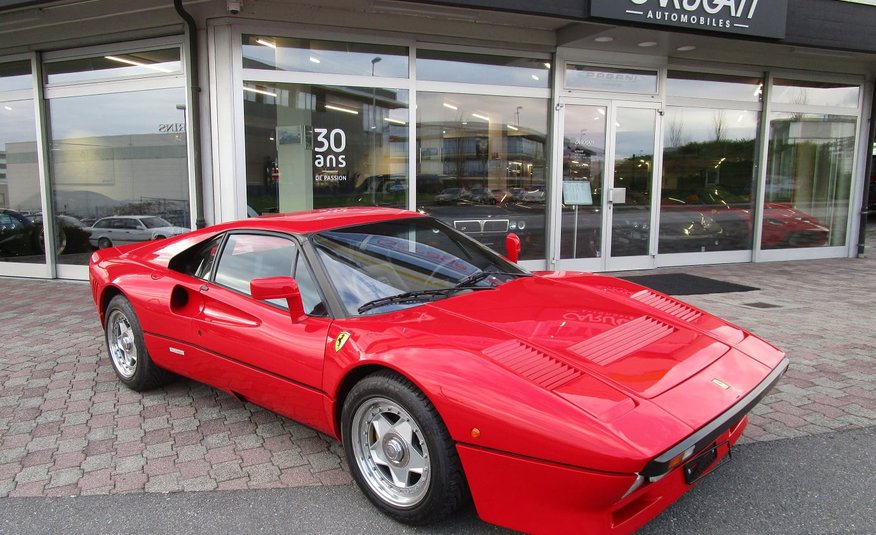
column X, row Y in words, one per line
column 706, row 435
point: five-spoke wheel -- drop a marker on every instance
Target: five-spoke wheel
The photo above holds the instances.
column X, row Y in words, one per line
column 127, row 349
column 399, row 451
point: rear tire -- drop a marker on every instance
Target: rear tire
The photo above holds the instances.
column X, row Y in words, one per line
column 399, row 451
column 127, row 348
column 104, row 243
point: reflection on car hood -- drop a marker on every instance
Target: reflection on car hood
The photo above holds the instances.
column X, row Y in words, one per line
column 588, row 328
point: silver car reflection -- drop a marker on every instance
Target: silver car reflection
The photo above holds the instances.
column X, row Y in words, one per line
column 123, row 229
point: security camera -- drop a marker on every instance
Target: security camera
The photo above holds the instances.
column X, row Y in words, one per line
column 232, row 6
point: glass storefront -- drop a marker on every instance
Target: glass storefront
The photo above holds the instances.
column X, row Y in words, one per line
column 709, row 161
column 481, row 166
column 312, row 146
column 21, row 230
column 810, row 163
column 653, row 166
column 118, row 159
column 481, row 158
column 809, row 179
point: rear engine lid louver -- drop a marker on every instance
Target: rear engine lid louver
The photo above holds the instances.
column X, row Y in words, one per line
column 615, row 344
column 667, row 305
column 532, row 364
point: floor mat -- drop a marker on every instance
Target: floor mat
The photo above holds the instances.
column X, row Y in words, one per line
column 684, row 284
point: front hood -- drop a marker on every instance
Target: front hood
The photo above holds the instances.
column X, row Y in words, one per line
column 638, row 340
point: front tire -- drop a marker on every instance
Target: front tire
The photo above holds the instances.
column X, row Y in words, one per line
column 399, row 451
column 127, row 348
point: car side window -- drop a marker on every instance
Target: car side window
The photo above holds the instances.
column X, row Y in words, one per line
column 253, row 256
column 310, row 295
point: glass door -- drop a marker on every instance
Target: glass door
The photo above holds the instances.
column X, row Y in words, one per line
column 607, row 213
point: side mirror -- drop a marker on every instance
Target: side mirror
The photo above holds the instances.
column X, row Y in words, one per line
column 512, row 247
column 279, row 288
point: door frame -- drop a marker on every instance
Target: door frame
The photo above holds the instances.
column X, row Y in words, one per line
column 606, row 262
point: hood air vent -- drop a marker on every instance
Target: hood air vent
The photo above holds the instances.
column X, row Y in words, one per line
column 667, row 305
column 617, row 343
column 532, row 364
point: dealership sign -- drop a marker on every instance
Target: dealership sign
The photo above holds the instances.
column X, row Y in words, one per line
column 742, row 17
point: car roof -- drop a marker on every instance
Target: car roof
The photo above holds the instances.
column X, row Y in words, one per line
column 322, row 219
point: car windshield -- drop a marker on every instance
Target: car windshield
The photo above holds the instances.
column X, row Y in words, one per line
column 385, row 266
column 155, row 222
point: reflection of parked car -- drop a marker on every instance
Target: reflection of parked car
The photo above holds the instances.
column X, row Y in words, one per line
column 490, row 224
column 18, row 234
column 446, row 372
column 535, row 194
column 122, row 229
column 785, row 226
column 482, row 195
column 71, row 235
column 452, row 195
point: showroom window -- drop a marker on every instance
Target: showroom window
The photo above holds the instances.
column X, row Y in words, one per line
column 312, row 146
column 482, row 158
column 709, row 155
column 809, row 164
column 318, row 146
column 21, row 235
column 116, row 148
column 481, row 133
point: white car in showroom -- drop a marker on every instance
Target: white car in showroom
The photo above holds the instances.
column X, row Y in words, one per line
column 122, row 229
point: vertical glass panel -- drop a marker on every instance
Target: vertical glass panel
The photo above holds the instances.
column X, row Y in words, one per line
column 714, row 86
column 610, row 79
column 443, row 66
column 809, row 177
column 317, row 56
column 815, row 93
column 15, row 75
column 121, row 65
column 119, row 163
column 708, row 178
column 633, row 169
column 312, row 146
column 481, row 166
column 583, row 176
column 20, row 204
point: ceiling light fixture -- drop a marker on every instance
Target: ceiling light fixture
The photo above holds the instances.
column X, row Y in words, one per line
column 137, row 63
column 604, row 39
column 450, row 106
column 511, row 127
column 394, row 121
column 314, row 60
column 648, row 44
column 481, row 117
column 686, row 48
column 259, row 91
column 266, row 43
column 338, row 108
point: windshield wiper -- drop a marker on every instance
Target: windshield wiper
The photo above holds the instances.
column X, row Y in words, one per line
column 412, row 297
column 478, row 276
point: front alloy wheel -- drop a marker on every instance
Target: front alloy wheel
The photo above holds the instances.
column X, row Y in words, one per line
column 399, row 450
column 390, row 452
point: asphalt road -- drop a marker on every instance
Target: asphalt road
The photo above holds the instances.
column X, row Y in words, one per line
column 823, row 484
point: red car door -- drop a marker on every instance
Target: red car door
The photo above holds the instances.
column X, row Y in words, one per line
column 264, row 356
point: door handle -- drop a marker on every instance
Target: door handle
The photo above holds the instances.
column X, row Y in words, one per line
column 617, row 195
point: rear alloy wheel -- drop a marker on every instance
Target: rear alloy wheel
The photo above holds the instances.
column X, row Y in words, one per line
column 128, row 354
column 104, row 243
column 400, row 452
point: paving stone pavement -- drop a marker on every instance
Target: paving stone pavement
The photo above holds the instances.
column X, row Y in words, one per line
column 68, row 427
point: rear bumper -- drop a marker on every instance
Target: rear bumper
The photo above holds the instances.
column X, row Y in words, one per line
column 706, row 435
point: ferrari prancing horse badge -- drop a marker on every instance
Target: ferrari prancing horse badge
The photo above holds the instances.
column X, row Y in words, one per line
column 341, row 340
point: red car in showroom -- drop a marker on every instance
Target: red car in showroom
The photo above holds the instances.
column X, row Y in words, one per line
column 556, row 401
